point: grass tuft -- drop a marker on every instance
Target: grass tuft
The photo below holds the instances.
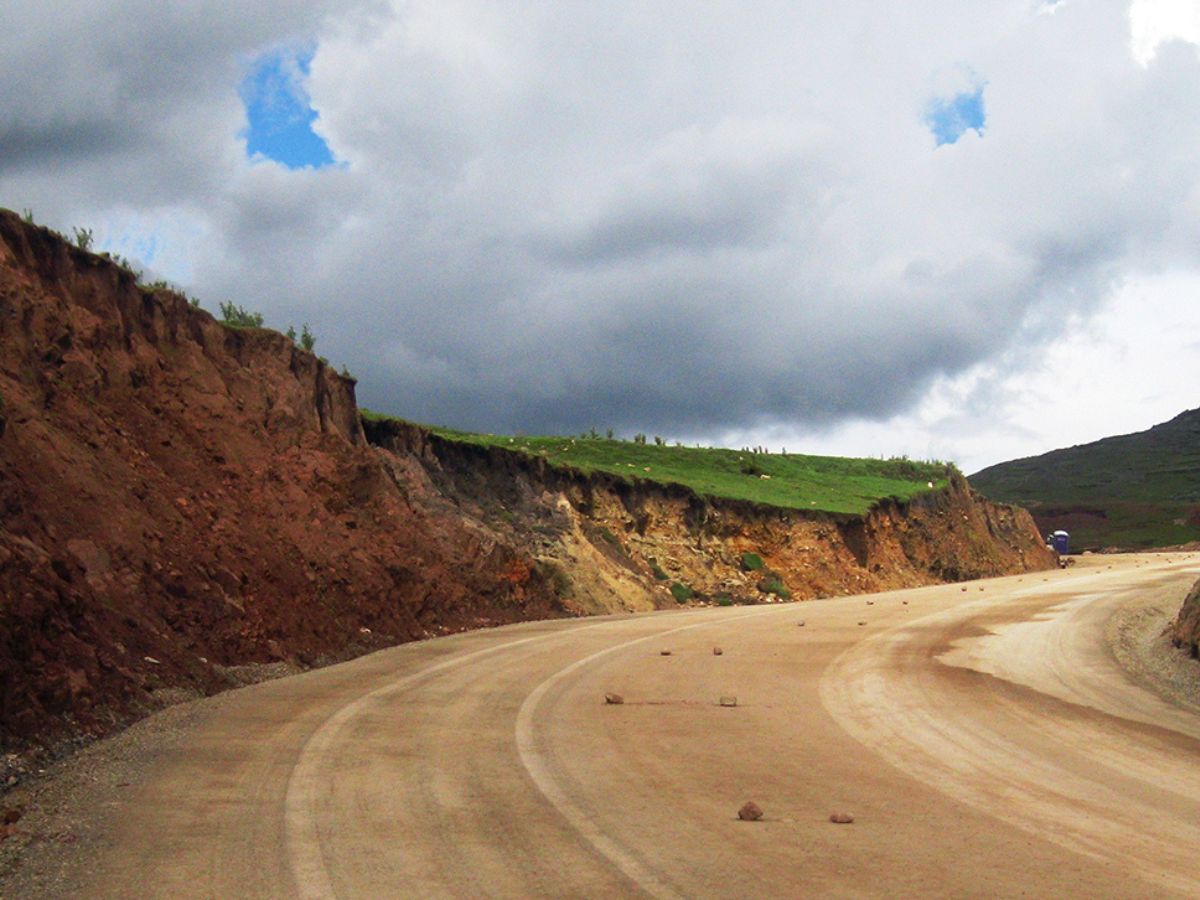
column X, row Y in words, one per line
column 681, row 592
column 751, row 562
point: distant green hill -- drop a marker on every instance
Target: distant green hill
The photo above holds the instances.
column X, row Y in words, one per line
column 1136, row 490
column 791, row 481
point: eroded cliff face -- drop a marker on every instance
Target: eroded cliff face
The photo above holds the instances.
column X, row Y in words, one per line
column 614, row 544
column 180, row 499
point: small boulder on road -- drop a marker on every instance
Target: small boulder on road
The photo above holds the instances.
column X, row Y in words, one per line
column 750, row 812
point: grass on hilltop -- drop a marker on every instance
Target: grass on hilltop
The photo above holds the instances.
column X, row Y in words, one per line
column 790, row 481
column 1134, row 490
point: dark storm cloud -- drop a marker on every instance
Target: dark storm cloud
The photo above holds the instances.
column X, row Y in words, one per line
column 558, row 216
column 62, row 143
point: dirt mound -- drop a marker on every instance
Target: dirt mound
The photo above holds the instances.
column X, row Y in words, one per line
column 178, row 497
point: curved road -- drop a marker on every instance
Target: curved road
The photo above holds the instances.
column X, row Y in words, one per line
column 985, row 740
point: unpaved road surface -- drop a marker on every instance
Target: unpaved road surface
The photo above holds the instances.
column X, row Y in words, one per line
column 985, row 738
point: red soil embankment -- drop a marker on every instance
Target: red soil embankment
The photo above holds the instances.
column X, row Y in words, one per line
column 177, row 496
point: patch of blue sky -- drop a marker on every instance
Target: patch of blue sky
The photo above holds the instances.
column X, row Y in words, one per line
column 279, row 114
column 140, row 248
column 951, row 118
column 159, row 242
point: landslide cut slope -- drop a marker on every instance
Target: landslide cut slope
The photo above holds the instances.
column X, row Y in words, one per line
column 628, row 542
column 178, row 497
column 1134, row 490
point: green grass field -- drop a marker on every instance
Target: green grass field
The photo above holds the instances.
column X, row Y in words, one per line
column 1135, row 490
column 792, row 481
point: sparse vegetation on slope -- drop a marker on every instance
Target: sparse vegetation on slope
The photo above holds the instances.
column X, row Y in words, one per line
column 238, row 316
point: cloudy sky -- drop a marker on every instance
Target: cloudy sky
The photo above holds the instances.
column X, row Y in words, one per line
column 964, row 229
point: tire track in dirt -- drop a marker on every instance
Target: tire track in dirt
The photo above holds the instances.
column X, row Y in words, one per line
column 1021, row 754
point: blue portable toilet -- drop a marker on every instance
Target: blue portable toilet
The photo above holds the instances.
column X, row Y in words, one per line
column 1062, row 542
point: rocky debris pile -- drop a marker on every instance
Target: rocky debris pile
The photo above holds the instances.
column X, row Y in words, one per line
column 1185, row 630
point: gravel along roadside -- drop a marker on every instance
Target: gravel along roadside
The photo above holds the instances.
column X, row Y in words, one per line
column 1137, row 637
column 64, row 816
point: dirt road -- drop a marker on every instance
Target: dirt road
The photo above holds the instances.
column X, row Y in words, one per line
column 986, row 741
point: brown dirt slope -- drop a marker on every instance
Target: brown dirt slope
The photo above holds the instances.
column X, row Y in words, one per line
column 177, row 497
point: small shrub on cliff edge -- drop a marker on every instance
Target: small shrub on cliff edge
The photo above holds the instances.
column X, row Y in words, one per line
column 124, row 264
column 237, row 316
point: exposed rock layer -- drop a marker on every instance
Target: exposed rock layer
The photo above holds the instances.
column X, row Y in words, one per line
column 605, row 536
